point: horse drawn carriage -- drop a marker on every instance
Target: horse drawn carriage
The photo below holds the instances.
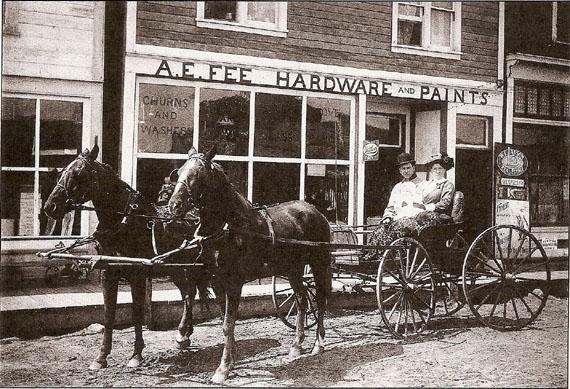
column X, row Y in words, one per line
column 503, row 277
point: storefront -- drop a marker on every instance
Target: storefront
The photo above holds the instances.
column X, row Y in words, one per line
column 282, row 135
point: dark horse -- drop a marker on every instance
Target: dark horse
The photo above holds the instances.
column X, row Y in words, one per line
column 121, row 232
column 255, row 245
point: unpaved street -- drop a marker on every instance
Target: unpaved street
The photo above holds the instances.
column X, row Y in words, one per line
column 459, row 352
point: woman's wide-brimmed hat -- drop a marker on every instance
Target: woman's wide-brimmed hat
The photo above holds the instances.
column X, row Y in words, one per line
column 404, row 158
column 442, row 158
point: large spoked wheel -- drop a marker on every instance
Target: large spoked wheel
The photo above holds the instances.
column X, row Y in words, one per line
column 506, row 277
column 406, row 288
column 284, row 300
column 450, row 296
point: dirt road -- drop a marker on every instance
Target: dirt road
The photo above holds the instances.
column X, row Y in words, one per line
column 455, row 352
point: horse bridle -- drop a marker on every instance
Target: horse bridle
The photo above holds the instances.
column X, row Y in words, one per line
column 71, row 202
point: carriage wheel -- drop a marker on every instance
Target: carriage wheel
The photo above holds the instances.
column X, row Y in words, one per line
column 406, row 288
column 450, row 298
column 284, row 300
column 506, row 277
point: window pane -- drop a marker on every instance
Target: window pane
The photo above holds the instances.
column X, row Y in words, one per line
column 220, row 10
column 409, row 33
column 328, row 128
column 326, row 187
column 544, row 102
column 275, row 182
column 277, row 125
column 520, row 99
column 166, row 118
column 71, row 222
column 261, row 11
column 471, row 130
column 567, row 103
column 18, row 131
column 442, row 4
column 563, row 22
column 384, row 128
column 441, row 28
column 532, row 100
column 557, row 103
column 224, row 121
column 152, row 174
column 237, row 174
column 17, row 203
column 61, row 125
column 409, row 10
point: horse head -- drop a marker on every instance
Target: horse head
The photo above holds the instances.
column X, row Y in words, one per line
column 197, row 183
column 74, row 185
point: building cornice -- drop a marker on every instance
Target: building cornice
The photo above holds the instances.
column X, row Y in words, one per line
column 521, row 57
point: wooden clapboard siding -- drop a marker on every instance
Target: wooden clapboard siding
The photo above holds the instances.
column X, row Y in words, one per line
column 356, row 34
column 56, row 39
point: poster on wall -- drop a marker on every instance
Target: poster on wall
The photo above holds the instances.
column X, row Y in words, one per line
column 511, row 188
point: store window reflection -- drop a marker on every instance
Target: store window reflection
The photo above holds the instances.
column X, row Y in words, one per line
column 326, row 187
column 328, row 128
column 275, row 182
column 277, row 125
column 152, row 174
column 166, row 118
column 237, row 175
column 224, row 121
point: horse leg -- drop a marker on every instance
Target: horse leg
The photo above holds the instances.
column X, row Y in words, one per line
column 233, row 295
column 138, row 288
column 188, row 292
column 110, row 283
column 220, row 297
column 301, row 305
column 322, row 285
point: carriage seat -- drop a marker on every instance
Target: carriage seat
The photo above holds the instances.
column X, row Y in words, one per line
column 446, row 231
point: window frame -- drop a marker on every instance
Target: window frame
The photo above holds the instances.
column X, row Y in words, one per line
column 555, row 25
column 488, row 132
column 277, row 29
column 427, row 48
column 521, row 88
column 251, row 158
column 10, row 18
column 37, row 168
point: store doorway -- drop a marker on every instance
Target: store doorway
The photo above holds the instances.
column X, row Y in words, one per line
column 474, row 177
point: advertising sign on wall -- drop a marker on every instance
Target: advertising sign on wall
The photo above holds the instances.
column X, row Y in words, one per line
column 511, row 187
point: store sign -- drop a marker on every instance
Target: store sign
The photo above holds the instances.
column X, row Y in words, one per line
column 371, row 150
column 511, row 194
column 320, row 83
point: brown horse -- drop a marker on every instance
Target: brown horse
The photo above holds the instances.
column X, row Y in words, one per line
column 253, row 246
column 122, row 231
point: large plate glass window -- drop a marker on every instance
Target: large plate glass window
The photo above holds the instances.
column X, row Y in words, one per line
column 561, row 22
column 39, row 136
column 328, row 128
column 547, row 150
column 258, row 17
column 427, row 28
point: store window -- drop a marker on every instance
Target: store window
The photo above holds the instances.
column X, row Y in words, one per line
column 224, row 121
column 259, row 17
column 561, row 22
column 270, row 150
column 166, row 118
column 427, row 28
column 473, row 131
column 542, row 101
column 277, row 125
column 547, row 150
column 39, row 136
column 384, row 128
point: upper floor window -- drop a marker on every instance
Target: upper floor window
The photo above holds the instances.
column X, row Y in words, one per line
column 561, row 22
column 258, row 17
column 542, row 101
column 427, row 28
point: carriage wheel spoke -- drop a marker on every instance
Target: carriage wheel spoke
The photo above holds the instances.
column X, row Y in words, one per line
column 407, row 261
column 523, row 301
column 483, row 261
column 483, row 286
column 406, row 317
column 413, row 318
column 420, row 313
column 290, row 312
column 399, row 315
column 495, row 304
column 515, row 308
column 384, row 302
column 286, row 300
column 418, row 269
column 399, row 280
column 395, row 306
column 421, row 301
column 500, row 249
column 529, row 268
column 414, row 260
column 487, row 297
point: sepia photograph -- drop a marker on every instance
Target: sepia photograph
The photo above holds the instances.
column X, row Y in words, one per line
column 284, row 194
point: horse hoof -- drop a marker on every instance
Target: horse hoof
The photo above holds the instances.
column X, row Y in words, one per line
column 135, row 361
column 219, row 377
column 183, row 344
column 318, row 350
column 97, row 365
column 294, row 353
